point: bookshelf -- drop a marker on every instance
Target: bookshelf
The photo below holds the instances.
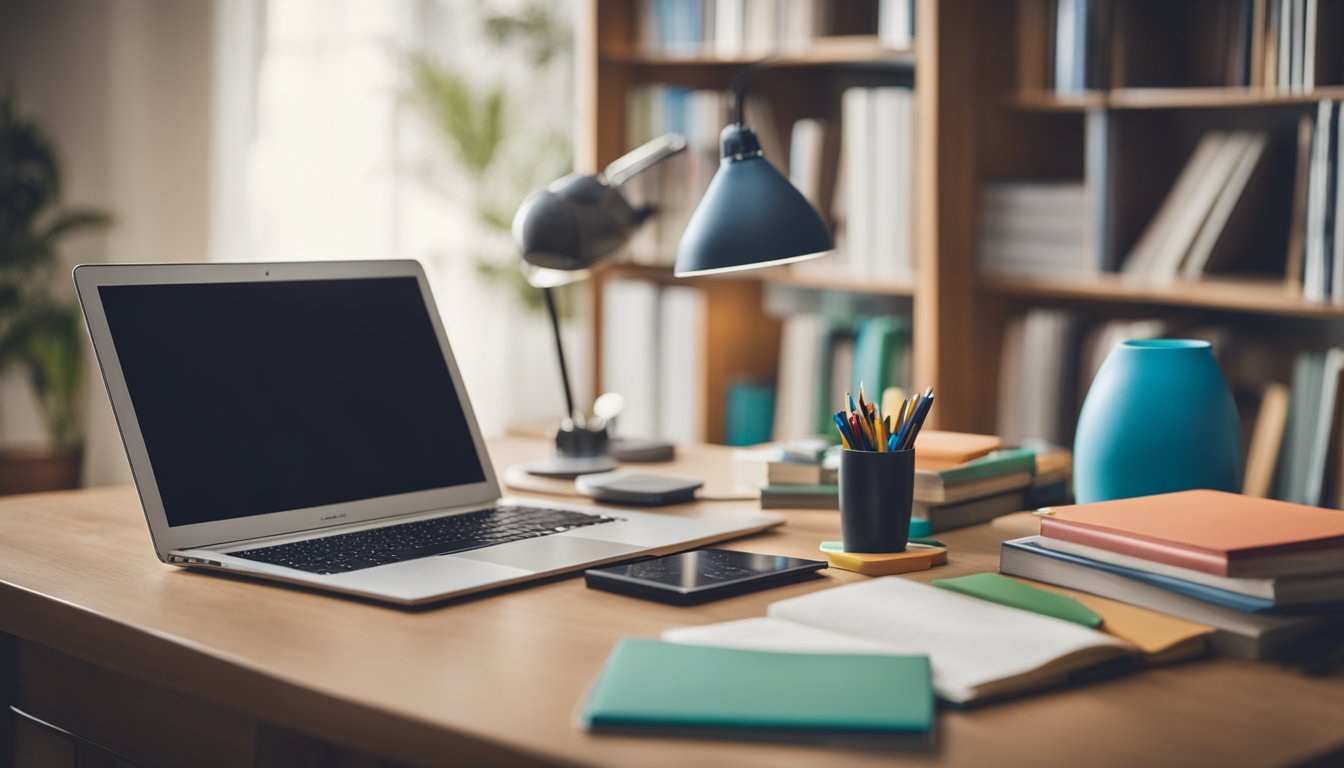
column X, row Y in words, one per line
column 986, row 110
column 741, row 341
column 1171, row 76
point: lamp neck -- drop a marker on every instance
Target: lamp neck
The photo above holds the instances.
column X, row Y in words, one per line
column 739, row 89
column 739, row 142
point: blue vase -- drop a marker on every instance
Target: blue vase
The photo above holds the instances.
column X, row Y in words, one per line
column 1158, row 418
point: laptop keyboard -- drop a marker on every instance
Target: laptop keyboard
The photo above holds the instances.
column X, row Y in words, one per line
column 346, row 552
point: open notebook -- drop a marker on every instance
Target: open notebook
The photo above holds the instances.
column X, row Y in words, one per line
column 978, row 650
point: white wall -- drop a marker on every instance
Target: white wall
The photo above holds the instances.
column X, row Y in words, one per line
column 123, row 89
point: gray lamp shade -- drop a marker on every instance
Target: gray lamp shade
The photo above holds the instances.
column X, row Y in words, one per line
column 751, row 215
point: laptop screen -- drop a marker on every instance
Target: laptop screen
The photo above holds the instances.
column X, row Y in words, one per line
column 261, row 397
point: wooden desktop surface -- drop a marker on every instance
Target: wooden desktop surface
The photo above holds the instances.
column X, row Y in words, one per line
column 500, row 678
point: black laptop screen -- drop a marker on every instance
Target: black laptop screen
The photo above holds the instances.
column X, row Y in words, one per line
column 262, row 397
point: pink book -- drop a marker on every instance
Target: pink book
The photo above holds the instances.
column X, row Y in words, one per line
column 1224, row 534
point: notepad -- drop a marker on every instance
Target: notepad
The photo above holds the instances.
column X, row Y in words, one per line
column 978, row 650
column 655, row 686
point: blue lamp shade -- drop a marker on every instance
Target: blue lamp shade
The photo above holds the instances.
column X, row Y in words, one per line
column 751, row 216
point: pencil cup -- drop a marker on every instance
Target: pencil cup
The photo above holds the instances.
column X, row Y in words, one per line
column 876, row 493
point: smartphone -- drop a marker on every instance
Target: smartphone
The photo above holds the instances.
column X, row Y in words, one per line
column 700, row 576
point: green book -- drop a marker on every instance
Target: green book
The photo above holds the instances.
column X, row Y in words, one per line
column 1001, row 462
column 651, row 685
column 800, row 497
column 1015, row 594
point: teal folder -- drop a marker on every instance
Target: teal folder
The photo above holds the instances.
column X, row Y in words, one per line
column 650, row 685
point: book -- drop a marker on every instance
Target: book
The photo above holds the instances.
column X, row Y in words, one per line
column 1278, row 592
column 757, row 468
column 654, row 686
column 1016, row 594
column 1200, row 256
column 1262, row 456
column 879, row 347
column 1332, row 367
column 1297, row 229
column 797, row 393
column 1238, row 633
column 1161, row 638
column 681, row 364
column 1036, row 398
column 1213, row 595
column 1146, row 253
column 941, row 450
column 945, row 517
column 1223, row 534
column 989, row 464
column 800, row 497
column 1034, row 228
column 928, row 489
column 931, row 488
column 1008, row 652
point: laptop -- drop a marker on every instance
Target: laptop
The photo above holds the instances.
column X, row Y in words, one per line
column 307, row 423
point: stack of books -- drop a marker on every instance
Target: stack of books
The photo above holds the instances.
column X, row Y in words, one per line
column 960, row 479
column 1267, row 575
column 1209, row 217
column 1032, row 228
column 797, row 463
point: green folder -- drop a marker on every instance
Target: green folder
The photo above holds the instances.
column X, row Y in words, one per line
column 1015, row 594
column 650, row 685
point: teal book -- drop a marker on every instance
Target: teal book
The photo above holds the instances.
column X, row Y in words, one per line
column 878, row 350
column 654, row 686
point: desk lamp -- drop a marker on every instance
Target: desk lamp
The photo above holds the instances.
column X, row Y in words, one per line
column 564, row 231
column 750, row 216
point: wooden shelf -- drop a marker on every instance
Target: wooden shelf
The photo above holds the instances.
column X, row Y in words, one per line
column 825, row 51
column 1167, row 98
column 839, row 282
column 783, row 275
column 1049, row 101
column 1257, row 296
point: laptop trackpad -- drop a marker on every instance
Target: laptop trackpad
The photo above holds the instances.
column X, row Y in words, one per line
column 549, row 553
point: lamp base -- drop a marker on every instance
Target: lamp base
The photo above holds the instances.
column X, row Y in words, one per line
column 569, row 467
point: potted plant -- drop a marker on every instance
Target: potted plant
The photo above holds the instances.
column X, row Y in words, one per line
column 40, row 332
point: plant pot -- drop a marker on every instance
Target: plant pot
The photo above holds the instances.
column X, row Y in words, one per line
column 32, row 470
column 1158, row 418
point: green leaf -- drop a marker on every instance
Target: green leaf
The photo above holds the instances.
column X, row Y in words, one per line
column 53, row 352
column 72, row 220
column 472, row 123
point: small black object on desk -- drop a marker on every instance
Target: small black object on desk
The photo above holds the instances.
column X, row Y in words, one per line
column 701, row 575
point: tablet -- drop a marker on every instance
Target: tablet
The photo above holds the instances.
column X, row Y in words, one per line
column 701, row 575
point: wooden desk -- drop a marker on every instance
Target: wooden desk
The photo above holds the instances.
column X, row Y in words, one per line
column 174, row 667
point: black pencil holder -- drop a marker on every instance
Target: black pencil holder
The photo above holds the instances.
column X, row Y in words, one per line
column 876, row 493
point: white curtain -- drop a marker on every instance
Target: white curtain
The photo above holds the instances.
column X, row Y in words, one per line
column 319, row 153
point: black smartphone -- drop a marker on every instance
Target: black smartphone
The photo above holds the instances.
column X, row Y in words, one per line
column 700, row 576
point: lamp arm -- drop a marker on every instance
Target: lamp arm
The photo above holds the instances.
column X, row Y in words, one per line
column 739, row 89
column 549, row 295
column 643, row 157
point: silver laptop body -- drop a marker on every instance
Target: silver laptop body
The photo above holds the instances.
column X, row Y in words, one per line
column 267, row 404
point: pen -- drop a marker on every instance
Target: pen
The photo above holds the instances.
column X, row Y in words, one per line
column 921, row 412
column 845, row 435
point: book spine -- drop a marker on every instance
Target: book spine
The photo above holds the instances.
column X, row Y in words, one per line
column 1183, row 557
